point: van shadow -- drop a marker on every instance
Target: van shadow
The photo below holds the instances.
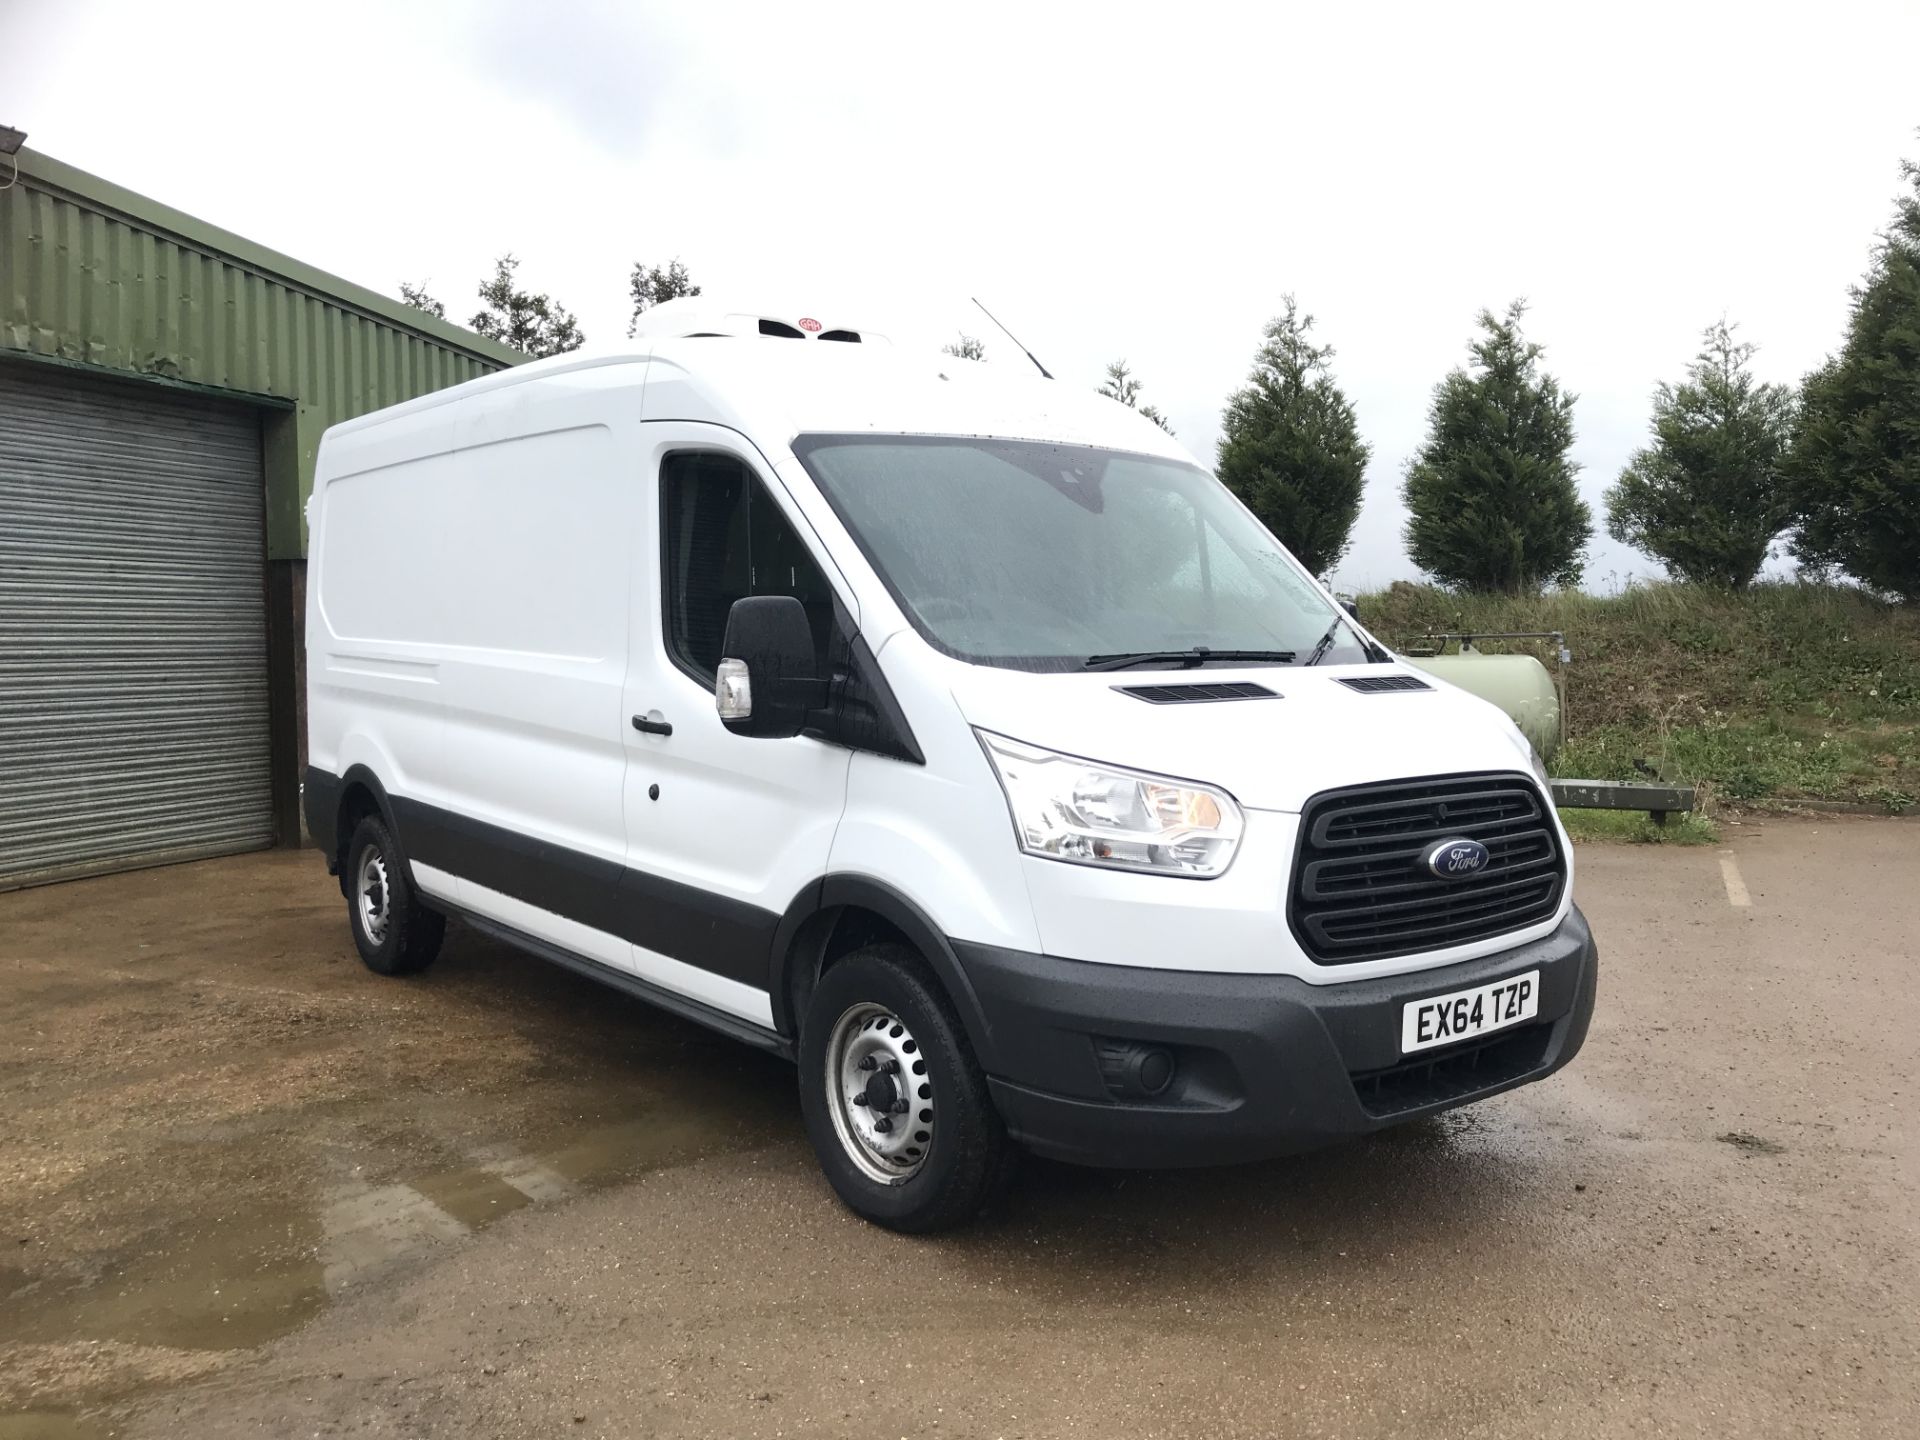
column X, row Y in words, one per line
column 1440, row 1186
column 582, row 1039
column 1436, row 1184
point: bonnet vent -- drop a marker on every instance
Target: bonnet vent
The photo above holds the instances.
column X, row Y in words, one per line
column 1381, row 684
column 1197, row 694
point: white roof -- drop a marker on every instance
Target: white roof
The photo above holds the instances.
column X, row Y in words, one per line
column 779, row 389
column 772, row 390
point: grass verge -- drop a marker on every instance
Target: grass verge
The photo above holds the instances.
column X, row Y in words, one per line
column 1784, row 691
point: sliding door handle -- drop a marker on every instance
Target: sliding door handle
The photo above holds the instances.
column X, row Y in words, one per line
column 651, row 724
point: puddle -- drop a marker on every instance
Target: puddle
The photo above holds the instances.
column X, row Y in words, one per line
column 48, row 1425
column 476, row 1198
column 608, row 1153
column 237, row 1281
column 221, row 1285
column 221, row 1137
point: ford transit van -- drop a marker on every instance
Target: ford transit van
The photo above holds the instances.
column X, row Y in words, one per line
column 949, row 731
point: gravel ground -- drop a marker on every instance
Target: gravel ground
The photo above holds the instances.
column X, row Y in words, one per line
column 248, row 1188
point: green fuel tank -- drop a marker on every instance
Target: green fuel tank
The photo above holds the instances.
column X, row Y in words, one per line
column 1518, row 684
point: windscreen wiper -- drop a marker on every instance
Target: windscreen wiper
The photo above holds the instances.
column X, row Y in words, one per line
column 1186, row 659
column 1325, row 642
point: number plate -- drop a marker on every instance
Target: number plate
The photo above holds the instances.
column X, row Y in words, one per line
column 1444, row 1019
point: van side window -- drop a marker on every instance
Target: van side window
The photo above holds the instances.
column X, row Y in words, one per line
column 724, row 539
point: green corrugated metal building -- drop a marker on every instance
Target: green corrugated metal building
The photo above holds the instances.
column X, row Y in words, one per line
column 163, row 388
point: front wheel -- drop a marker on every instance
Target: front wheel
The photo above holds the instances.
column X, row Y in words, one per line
column 893, row 1099
column 394, row 931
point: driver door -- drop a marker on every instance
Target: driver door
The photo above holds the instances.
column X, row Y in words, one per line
column 723, row 830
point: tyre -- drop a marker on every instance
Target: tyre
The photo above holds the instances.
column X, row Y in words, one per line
column 894, row 1102
column 393, row 929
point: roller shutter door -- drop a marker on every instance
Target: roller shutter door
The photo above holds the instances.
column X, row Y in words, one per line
column 133, row 664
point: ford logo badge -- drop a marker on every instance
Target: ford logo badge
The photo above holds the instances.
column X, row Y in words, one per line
column 1456, row 859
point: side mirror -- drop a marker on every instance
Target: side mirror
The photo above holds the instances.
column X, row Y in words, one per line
column 765, row 686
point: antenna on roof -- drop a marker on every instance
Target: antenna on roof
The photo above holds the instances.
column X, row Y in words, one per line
column 1015, row 338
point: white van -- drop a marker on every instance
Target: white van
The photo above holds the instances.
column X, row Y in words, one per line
column 948, row 731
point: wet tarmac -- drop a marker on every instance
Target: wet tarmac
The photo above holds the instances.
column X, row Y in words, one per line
column 247, row 1187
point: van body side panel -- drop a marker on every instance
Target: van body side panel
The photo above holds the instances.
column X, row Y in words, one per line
column 374, row 696
column 537, row 546
column 480, row 565
column 723, row 830
column 472, row 600
column 572, row 890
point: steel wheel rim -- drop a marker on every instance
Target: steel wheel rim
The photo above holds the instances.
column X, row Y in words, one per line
column 879, row 1094
column 372, row 895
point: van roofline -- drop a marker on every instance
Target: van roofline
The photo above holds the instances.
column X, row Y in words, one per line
column 585, row 359
column 1041, row 409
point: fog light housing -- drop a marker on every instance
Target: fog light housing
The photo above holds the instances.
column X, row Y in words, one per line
column 1134, row 1070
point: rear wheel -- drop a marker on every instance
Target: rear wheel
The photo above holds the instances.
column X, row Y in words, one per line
column 894, row 1101
column 394, row 931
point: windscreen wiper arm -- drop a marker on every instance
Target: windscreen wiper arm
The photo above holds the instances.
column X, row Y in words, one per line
column 1187, row 659
column 1325, row 642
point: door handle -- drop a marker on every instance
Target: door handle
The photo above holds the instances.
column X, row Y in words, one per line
column 648, row 725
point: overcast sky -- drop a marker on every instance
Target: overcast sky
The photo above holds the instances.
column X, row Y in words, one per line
column 1114, row 181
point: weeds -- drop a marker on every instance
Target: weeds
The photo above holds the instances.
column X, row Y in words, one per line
column 1631, row 825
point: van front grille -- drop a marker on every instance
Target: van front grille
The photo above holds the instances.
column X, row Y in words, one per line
column 1362, row 892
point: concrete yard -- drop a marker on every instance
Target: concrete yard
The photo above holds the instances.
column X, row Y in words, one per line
column 249, row 1188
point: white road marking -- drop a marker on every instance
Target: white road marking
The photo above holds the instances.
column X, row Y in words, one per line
column 1737, row 895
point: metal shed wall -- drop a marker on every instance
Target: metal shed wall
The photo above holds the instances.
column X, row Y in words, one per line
column 94, row 275
column 98, row 281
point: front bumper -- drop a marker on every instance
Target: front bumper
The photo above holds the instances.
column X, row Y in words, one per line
column 1263, row 1064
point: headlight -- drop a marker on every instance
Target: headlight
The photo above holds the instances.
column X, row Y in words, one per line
column 1070, row 809
column 1540, row 771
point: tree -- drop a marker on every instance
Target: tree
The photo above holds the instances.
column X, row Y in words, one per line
column 1290, row 448
column 1121, row 385
column 528, row 322
column 1491, row 491
column 419, row 299
column 1706, row 498
column 1854, row 466
column 968, row 348
column 651, row 287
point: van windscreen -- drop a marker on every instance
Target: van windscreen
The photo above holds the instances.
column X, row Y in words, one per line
column 1038, row 556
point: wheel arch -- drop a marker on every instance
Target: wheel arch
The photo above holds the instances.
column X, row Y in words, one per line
column 360, row 794
column 838, row 914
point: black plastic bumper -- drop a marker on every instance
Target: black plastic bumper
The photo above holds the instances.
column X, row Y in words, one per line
column 1263, row 1064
